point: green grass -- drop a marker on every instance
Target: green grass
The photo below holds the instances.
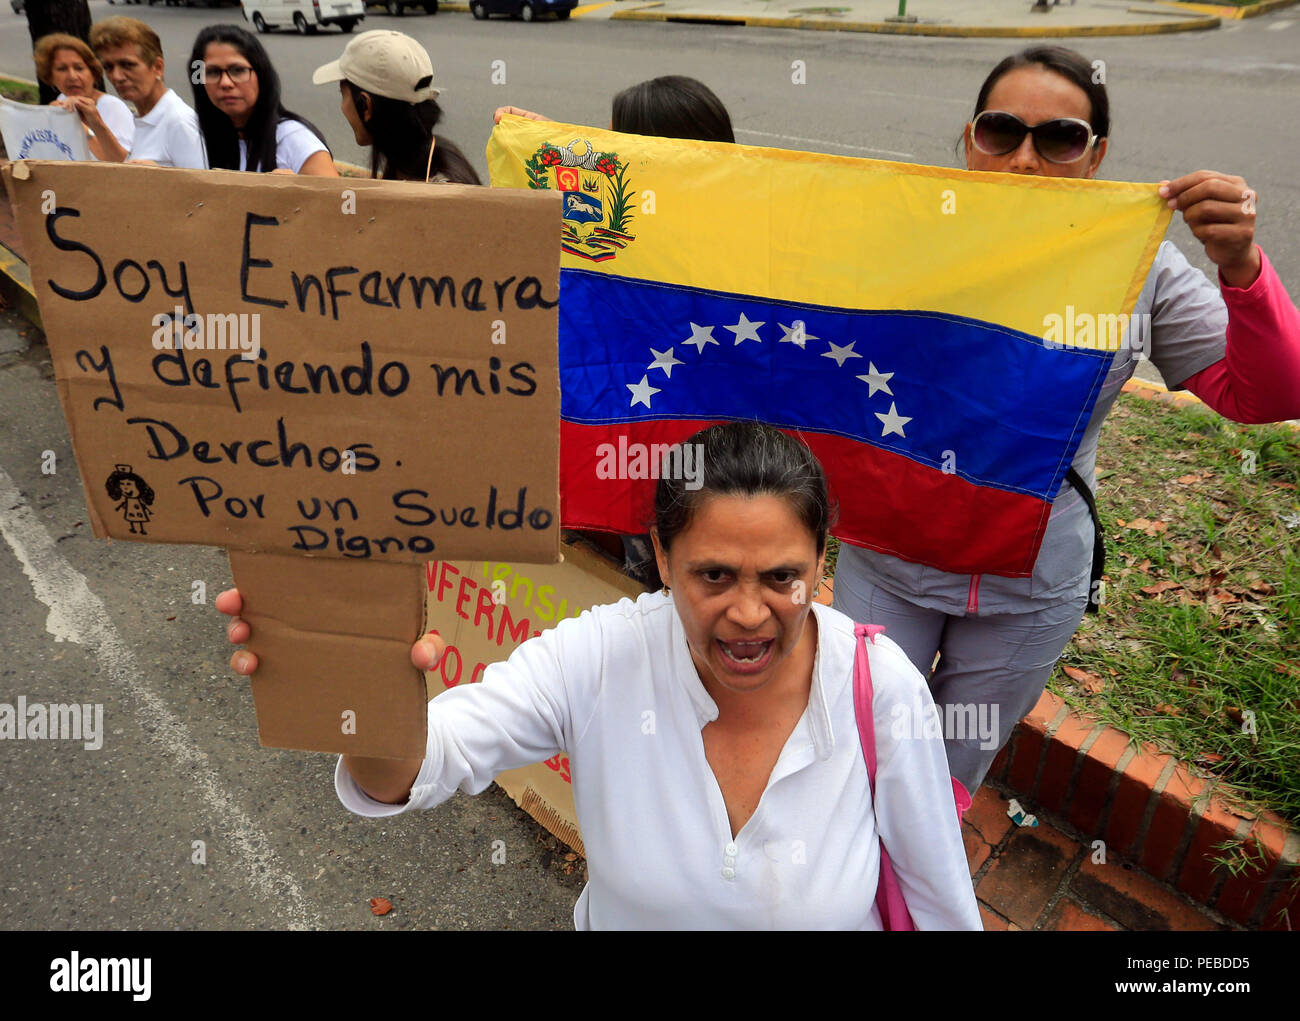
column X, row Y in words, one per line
column 19, row 92
column 1204, row 515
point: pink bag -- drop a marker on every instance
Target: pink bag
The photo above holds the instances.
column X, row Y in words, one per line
column 894, row 915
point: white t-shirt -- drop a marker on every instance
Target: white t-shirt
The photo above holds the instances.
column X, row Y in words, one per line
column 119, row 118
column 295, row 143
column 169, row 135
column 660, row 852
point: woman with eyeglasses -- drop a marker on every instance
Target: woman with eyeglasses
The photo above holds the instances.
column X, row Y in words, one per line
column 244, row 124
column 1236, row 345
column 166, row 130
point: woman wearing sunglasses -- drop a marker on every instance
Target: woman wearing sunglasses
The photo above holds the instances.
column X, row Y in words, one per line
column 237, row 98
column 1235, row 344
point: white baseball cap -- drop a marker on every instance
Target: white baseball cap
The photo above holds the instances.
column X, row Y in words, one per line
column 385, row 63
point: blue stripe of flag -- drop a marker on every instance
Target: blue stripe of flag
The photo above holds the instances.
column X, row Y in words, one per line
column 996, row 405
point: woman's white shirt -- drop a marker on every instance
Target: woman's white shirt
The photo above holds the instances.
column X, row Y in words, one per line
column 295, row 143
column 617, row 691
column 169, row 135
column 118, row 116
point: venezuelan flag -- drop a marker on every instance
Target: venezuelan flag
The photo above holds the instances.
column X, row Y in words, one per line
column 898, row 318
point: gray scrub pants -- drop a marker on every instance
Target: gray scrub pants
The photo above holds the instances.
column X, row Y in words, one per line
column 991, row 671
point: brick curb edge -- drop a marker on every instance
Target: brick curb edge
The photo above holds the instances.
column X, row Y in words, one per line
column 1151, row 809
column 1146, row 805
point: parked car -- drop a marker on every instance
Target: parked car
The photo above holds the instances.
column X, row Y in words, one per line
column 304, row 15
column 398, row 7
column 528, row 10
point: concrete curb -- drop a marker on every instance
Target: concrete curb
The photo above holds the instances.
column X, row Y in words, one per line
column 1195, row 24
column 16, row 286
column 1232, row 13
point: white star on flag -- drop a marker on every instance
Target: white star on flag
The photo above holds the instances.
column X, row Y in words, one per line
column 664, row 360
column 745, row 330
column 795, row 334
column 700, row 337
column 841, row 353
column 641, row 392
column 877, row 380
column 893, row 422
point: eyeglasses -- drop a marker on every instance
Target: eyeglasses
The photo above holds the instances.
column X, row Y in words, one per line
column 1063, row 140
column 238, row 73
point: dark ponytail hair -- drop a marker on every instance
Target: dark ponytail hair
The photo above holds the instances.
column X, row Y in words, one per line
column 673, row 106
column 220, row 135
column 747, row 459
column 401, row 133
column 1071, row 66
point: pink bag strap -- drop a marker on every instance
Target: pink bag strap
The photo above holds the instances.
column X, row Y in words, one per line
column 890, row 902
column 863, row 696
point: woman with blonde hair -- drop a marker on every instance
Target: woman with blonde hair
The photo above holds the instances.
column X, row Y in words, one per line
column 166, row 130
column 66, row 63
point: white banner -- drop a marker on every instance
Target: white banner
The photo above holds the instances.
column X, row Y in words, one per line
column 42, row 132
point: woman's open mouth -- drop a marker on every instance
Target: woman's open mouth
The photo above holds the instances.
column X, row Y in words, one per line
column 747, row 657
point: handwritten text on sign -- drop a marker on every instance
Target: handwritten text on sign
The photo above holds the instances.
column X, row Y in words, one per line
column 352, row 369
column 484, row 610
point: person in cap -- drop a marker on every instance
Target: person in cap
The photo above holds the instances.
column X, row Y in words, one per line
column 387, row 95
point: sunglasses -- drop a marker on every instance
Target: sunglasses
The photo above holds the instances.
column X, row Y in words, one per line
column 1063, row 140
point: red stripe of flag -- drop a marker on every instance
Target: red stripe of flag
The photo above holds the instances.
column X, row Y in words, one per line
column 964, row 543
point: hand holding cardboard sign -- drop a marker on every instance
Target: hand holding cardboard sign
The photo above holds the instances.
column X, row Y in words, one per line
column 386, row 780
column 425, row 653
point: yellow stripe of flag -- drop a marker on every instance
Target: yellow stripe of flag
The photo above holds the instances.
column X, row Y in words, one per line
column 839, row 231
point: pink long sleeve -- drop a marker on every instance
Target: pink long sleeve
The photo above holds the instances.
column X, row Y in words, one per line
column 1258, row 379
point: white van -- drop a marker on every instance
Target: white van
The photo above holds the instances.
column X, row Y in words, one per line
column 304, row 15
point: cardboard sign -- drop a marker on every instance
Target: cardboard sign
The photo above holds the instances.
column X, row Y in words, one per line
column 352, row 369
column 333, row 642
column 484, row 610
column 42, row 132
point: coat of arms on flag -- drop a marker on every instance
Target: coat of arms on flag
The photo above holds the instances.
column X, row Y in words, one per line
column 903, row 339
column 597, row 202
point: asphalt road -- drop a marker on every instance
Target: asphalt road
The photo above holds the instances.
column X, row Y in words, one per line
column 105, row 838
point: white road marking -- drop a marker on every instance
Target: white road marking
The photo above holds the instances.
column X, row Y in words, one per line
column 1277, row 26
column 78, row 615
column 823, row 141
